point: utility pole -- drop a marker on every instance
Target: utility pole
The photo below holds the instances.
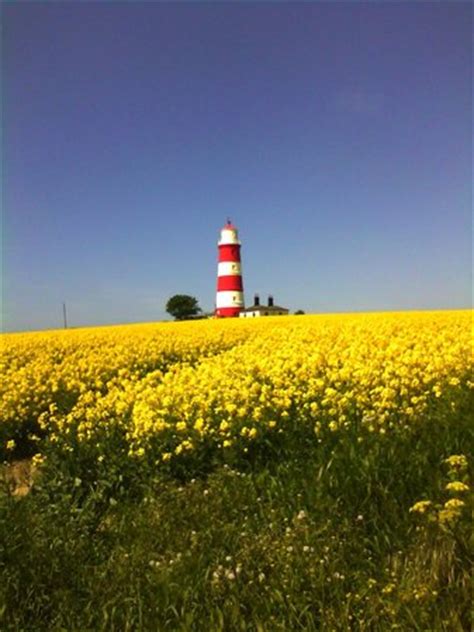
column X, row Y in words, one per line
column 64, row 316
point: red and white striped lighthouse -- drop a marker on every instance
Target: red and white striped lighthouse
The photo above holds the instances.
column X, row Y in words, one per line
column 230, row 290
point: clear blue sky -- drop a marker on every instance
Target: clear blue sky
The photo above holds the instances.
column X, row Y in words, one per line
column 337, row 136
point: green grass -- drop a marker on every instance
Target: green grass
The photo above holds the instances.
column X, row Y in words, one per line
column 311, row 537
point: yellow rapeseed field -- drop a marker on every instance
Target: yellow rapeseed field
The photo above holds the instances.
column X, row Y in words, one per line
column 169, row 390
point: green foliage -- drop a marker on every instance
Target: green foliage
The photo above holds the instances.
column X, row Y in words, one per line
column 182, row 306
column 321, row 538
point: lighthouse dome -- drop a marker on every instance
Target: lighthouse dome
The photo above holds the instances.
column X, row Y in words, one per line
column 229, row 234
column 229, row 226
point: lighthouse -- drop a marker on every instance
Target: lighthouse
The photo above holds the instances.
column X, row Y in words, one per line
column 230, row 294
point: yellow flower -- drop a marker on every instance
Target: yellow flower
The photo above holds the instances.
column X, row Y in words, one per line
column 447, row 516
column 457, row 461
column 451, row 511
column 454, row 504
column 38, row 460
column 421, row 506
column 457, row 486
column 199, row 424
column 224, row 426
column 219, row 378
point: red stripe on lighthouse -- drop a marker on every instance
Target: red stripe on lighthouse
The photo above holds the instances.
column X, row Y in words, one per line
column 229, row 252
column 227, row 312
column 233, row 282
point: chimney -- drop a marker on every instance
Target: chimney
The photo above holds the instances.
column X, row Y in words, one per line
column 256, row 300
column 270, row 301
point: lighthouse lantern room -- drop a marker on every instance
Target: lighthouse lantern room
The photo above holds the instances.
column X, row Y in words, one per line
column 230, row 294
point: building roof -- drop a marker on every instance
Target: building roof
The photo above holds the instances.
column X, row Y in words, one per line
column 265, row 308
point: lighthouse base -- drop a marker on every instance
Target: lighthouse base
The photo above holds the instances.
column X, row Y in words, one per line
column 228, row 312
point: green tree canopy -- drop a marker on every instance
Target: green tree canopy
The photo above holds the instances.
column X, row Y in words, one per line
column 182, row 306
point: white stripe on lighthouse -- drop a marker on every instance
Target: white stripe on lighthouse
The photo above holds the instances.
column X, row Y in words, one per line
column 229, row 268
column 229, row 299
column 228, row 237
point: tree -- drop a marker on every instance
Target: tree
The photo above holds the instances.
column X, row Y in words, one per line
column 299, row 312
column 182, row 306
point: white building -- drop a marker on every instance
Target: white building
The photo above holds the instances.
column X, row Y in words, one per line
column 263, row 310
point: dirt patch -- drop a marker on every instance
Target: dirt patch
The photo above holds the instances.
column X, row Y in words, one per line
column 19, row 476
